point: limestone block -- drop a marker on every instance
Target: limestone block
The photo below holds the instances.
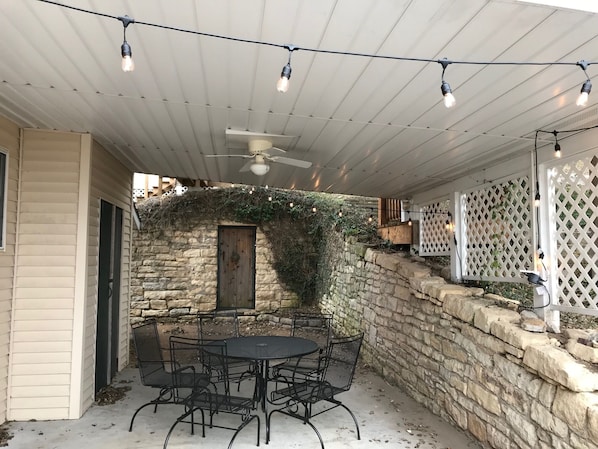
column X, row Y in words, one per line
column 546, row 420
column 158, row 304
column 162, row 294
column 521, row 426
column 484, row 317
column 154, row 313
column 140, row 305
column 573, row 408
column 512, row 334
column 497, row 439
column 387, row 261
column 441, row 291
column 462, row 307
column 489, row 401
column 558, row 365
column 458, row 414
column 181, row 311
column 581, row 351
column 180, row 303
column 477, row 427
column 420, row 285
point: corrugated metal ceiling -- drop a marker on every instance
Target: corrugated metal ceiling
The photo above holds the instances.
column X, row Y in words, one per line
column 374, row 127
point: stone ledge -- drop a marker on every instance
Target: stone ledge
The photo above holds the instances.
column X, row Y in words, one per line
column 512, row 334
column 462, row 307
column 559, row 366
column 484, row 317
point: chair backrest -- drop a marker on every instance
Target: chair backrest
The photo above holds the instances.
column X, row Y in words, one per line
column 313, row 326
column 217, row 325
column 341, row 361
column 150, row 358
column 198, row 364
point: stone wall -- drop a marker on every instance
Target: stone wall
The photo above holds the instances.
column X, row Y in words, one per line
column 465, row 356
column 175, row 272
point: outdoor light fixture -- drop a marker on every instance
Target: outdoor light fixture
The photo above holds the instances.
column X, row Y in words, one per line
column 537, row 198
column 127, row 63
column 445, row 88
column 259, row 168
column 533, row 277
column 586, row 88
column 557, row 146
column 283, row 83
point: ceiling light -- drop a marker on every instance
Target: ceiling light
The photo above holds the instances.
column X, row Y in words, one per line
column 127, row 63
column 259, row 168
column 283, row 82
column 445, row 88
column 586, row 88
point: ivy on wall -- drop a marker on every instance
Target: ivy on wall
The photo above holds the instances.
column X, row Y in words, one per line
column 298, row 225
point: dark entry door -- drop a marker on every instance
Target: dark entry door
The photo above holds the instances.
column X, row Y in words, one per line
column 236, row 267
column 107, row 335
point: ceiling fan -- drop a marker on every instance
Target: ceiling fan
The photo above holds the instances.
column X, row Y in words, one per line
column 261, row 152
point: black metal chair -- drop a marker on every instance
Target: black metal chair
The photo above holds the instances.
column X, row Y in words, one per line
column 333, row 376
column 154, row 369
column 220, row 325
column 202, row 367
column 313, row 326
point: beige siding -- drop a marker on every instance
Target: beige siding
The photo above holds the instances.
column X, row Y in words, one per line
column 111, row 182
column 42, row 338
column 9, row 143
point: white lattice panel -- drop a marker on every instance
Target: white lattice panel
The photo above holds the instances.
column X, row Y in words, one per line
column 575, row 196
column 435, row 239
column 496, row 224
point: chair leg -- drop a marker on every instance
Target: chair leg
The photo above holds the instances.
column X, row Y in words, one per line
column 180, row 419
column 165, row 397
column 251, row 418
column 340, row 404
column 304, row 419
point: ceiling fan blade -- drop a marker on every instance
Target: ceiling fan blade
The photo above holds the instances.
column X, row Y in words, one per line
column 230, row 155
column 276, row 149
column 289, row 161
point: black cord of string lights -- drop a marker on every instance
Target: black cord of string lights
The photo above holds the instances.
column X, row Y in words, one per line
column 292, row 48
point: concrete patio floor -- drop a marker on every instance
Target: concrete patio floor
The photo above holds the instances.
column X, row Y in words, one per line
column 387, row 418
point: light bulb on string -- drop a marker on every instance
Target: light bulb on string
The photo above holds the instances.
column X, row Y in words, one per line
column 127, row 63
column 586, row 87
column 445, row 88
column 283, row 82
column 557, row 146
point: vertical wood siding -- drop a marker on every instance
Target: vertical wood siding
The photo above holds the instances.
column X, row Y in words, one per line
column 9, row 143
column 45, row 276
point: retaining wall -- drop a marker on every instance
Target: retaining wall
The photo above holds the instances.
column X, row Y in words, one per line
column 464, row 355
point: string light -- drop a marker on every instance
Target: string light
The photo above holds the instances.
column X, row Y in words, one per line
column 314, row 209
column 127, row 64
column 445, row 88
column 286, row 72
column 557, row 146
column 283, row 82
column 291, row 204
column 586, row 88
column 340, row 213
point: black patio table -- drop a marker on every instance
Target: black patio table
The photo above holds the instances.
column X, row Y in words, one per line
column 262, row 349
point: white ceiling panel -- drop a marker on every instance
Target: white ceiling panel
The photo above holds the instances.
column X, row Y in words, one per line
column 364, row 103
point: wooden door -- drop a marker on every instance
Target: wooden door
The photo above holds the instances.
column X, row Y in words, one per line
column 236, row 267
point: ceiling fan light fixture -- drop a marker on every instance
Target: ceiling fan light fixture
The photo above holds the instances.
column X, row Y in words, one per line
column 259, row 168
